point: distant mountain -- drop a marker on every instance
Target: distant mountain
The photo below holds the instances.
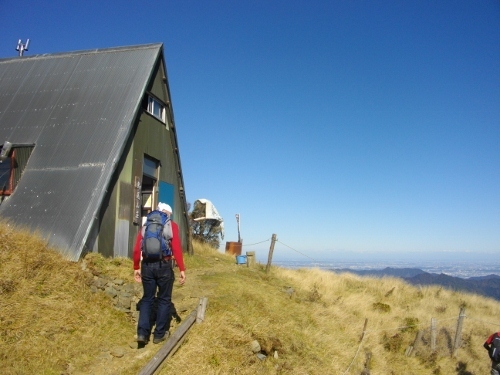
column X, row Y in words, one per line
column 484, row 277
column 402, row 273
column 488, row 286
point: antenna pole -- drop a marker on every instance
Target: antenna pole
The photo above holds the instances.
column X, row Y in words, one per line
column 21, row 47
column 238, row 221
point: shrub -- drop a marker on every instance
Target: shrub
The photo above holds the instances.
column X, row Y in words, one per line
column 410, row 325
column 382, row 307
column 392, row 343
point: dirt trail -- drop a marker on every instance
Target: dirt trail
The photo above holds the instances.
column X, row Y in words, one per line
column 123, row 359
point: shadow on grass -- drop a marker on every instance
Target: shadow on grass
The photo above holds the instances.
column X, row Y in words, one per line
column 462, row 369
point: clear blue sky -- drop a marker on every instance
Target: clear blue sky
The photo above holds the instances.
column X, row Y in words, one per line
column 364, row 126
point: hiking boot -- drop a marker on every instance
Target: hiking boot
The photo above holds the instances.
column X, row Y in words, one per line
column 157, row 340
column 142, row 339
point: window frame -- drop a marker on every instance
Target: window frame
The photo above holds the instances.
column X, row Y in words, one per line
column 149, row 184
column 8, row 188
column 18, row 158
column 156, row 108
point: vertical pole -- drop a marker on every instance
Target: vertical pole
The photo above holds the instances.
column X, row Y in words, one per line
column 238, row 222
column 21, row 47
column 200, row 311
column 190, row 240
column 458, row 333
column 364, row 330
column 270, row 257
column 433, row 334
column 366, row 370
column 418, row 337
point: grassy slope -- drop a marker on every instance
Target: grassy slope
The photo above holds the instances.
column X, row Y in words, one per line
column 49, row 314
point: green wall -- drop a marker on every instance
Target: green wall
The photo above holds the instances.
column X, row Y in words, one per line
column 156, row 139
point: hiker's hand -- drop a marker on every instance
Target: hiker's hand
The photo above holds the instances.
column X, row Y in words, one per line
column 137, row 276
column 182, row 280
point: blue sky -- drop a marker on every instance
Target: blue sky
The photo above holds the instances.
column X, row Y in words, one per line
column 341, row 126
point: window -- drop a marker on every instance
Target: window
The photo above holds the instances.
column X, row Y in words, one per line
column 12, row 166
column 6, row 174
column 156, row 108
column 149, row 184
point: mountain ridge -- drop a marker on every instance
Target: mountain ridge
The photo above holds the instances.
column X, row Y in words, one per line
column 488, row 286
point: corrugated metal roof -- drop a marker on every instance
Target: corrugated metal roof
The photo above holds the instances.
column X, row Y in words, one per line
column 78, row 109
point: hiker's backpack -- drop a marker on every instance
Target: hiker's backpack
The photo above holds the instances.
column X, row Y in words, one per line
column 495, row 349
column 154, row 245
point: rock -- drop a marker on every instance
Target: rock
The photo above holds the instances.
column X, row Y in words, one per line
column 99, row 282
column 111, row 291
column 255, row 346
column 261, row 356
column 129, row 288
column 117, row 352
column 124, row 302
column 133, row 345
column 125, row 295
column 105, row 356
column 275, row 354
column 290, row 291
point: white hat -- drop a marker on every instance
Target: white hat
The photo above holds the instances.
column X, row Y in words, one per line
column 164, row 207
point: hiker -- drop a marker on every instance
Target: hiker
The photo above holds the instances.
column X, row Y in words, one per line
column 157, row 275
column 492, row 345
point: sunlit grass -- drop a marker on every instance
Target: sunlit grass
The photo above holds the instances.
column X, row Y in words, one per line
column 306, row 321
column 48, row 313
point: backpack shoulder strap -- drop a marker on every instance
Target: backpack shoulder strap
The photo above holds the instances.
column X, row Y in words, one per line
column 167, row 229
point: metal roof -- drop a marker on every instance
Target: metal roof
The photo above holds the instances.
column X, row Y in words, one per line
column 78, row 109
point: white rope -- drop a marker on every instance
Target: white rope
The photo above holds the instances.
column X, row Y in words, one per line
column 296, row 251
column 357, row 352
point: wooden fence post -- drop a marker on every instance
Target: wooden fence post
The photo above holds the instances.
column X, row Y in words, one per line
column 458, row 333
column 364, row 329
column 433, row 334
column 366, row 369
column 412, row 347
column 270, row 257
column 202, row 306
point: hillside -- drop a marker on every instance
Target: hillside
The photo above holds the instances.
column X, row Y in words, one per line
column 403, row 273
column 54, row 319
column 488, row 286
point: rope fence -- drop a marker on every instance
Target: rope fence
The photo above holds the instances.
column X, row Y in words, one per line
column 257, row 243
column 284, row 244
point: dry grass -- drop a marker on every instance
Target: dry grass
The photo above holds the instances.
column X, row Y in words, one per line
column 317, row 328
column 306, row 321
column 50, row 321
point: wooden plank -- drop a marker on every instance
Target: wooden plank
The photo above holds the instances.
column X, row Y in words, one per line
column 169, row 345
